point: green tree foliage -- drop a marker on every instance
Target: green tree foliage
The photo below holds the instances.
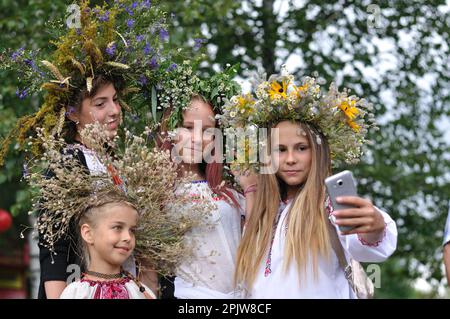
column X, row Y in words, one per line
column 22, row 24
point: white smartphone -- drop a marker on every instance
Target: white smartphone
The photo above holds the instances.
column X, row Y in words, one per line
column 341, row 184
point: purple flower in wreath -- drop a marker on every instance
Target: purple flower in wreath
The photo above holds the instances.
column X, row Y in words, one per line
column 198, row 43
column 104, row 17
column 146, row 4
column 70, row 110
column 22, row 94
column 111, row 49
column 147, row 49
column 171, row 67
column 163, row 34
column 25, row 170
column 31, row 64
column 129, row 10
column 151, row 136
column 140, row 37
column 142, row 80
column 17, row 54
column 153, row 63
column 135, row 118
column 130, row 23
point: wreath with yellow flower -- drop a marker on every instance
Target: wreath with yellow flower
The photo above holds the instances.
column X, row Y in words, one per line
column 341, row 118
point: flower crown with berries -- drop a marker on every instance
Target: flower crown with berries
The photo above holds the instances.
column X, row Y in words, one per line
column 341, row 118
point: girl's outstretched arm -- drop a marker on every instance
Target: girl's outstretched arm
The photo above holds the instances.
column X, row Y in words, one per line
column 248, row 182
column 374, row 236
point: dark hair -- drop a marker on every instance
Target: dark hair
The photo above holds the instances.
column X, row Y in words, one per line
column 76, row 98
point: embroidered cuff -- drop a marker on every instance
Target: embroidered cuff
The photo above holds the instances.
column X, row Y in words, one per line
column 375, row 244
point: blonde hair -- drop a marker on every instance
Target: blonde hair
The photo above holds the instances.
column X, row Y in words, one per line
column 307, row 234
column 91, row 217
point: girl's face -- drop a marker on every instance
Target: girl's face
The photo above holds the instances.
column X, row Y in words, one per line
column 112, row 240
column 192, row 138
column 292, row 154
column 102, row 107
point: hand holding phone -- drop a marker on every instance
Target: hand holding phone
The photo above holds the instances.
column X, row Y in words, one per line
column 341, row 184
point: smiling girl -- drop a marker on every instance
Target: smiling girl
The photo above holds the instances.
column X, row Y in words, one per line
column 100, row 104
column 108, row 239
column 209, row 274
column 88, row 71
column 286, row 250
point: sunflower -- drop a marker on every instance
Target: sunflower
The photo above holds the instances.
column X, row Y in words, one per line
column 349, row 109
column 278, row 90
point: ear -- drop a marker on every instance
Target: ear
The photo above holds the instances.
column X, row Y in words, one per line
column 87, row 234
column 73, row 116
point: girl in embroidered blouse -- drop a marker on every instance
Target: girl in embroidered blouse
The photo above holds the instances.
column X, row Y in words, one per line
column 210, row 273
column 286, row 250
column 107, row 234
column 100, row 104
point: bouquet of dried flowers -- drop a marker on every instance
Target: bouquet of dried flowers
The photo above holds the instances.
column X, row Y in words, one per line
column 136, row 173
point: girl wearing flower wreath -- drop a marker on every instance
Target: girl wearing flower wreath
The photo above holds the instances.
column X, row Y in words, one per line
column 108, row 235
column 116, row 213
column 286, row 250
column 99, row 105
column 191, row 108
column 85, row 79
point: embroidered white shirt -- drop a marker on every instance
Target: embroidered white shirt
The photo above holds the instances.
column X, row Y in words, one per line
column 85, row 290
column 210, row 273
column 330, row 281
